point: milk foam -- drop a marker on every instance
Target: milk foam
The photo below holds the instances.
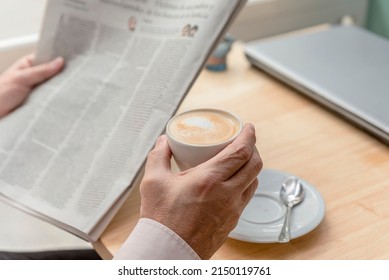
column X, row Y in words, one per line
column 199, row 121
column 203, row 127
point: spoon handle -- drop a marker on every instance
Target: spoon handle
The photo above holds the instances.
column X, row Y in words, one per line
column 285, row 231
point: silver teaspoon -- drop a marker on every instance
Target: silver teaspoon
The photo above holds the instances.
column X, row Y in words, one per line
column 292, row 193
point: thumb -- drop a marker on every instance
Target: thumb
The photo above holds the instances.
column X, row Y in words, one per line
column 159, row 158
column 35, row 75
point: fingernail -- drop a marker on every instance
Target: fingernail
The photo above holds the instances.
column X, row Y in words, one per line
column 161, row 139
column 251, row 126
column 58, row 62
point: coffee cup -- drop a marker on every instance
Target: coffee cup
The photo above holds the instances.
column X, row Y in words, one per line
column 196, row 136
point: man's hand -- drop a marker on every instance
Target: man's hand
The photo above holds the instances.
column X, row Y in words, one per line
column 203, row 204
column 18, row 81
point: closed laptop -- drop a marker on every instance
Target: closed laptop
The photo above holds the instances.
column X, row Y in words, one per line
column 344, row 68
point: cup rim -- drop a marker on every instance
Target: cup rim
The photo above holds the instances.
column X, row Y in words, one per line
column 205, row 145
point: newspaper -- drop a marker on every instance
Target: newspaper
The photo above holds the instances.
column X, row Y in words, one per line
column 72, row 151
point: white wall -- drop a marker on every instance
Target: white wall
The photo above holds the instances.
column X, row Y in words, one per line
column 20, row 17
column 20, row 22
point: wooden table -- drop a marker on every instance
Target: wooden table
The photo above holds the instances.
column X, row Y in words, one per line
column 349, row 167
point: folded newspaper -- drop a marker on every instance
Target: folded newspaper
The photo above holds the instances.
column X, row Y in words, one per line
column 71, row 154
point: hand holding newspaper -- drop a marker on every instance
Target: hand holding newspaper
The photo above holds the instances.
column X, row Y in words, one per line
column 72, row 152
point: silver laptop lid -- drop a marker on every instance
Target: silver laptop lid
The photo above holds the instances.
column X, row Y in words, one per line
column 345, row 68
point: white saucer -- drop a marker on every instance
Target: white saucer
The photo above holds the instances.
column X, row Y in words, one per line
column 262, row 219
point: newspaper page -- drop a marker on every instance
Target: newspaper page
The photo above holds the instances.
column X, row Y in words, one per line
column 72, row 150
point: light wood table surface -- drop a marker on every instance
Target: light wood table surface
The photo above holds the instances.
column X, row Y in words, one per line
column 349, row 167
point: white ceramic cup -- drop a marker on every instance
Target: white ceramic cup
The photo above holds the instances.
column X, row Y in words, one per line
column 196, row 136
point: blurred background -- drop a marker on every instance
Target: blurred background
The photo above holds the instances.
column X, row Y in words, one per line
column 23, row 17
column 20, row 24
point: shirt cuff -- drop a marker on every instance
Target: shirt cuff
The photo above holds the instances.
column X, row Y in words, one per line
column 151, row 240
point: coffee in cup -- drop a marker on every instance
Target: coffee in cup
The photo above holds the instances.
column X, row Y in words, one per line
column 198, row 135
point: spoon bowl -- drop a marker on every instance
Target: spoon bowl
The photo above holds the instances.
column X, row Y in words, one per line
column 292, row 193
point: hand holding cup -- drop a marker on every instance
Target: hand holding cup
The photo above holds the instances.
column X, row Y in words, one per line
column 202, row 204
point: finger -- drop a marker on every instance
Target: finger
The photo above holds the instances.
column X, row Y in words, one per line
column 24, row 62
column 247, row 174
column 158, row 160
column 29, row 60
column 234, row 156
column 249, row 192
column 35, row 75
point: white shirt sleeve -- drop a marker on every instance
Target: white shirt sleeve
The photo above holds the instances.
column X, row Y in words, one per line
column 151, row 240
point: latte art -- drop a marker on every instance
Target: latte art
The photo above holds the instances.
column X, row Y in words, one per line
column 204, row 127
